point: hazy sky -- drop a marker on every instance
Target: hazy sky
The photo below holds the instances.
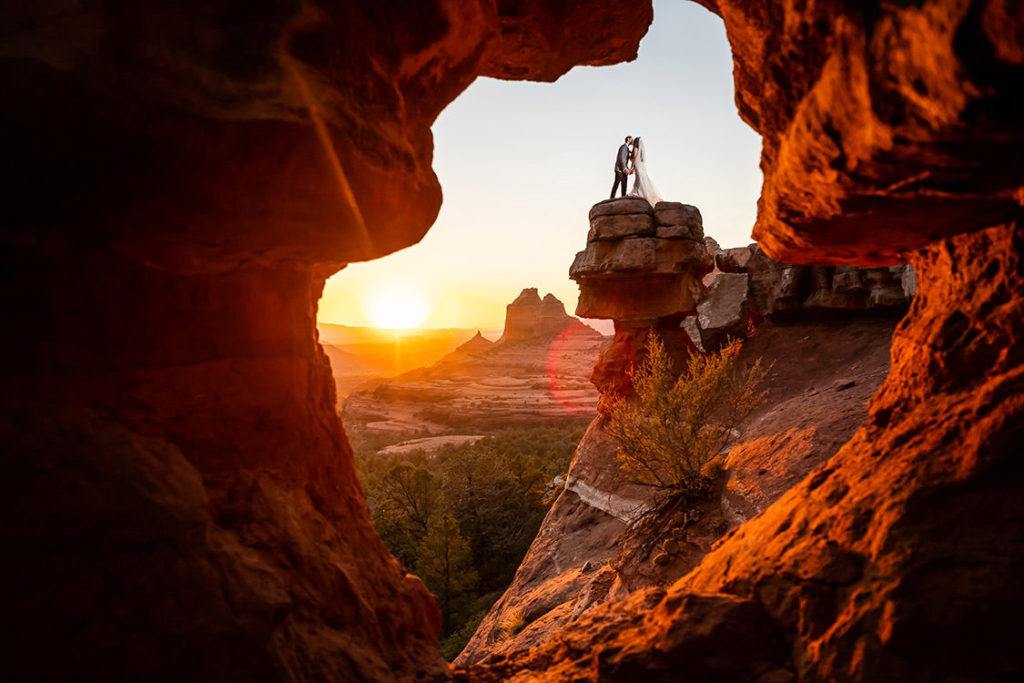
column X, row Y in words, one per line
column 521, row 164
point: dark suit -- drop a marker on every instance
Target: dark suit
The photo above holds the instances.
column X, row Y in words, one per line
column 621, row 161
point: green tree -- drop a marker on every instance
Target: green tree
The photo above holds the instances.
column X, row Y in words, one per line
column 445, row 564
column 413, row 490
column 405, row 500
column 672, row 427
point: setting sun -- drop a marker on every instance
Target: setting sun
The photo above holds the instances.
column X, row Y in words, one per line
column 397, row 309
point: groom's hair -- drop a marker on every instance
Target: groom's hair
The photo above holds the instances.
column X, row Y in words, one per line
column 628, row 138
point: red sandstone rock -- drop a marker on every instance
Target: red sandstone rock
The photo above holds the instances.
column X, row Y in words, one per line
column 850, row 562
column 177, row 206
column 586, row 553
column 885, row 126
column 188, row 176
column 735, row 260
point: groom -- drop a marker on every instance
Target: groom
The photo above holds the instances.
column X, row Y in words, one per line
column 622, row 169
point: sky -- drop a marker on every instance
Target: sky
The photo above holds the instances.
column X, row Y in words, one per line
column 520, row 165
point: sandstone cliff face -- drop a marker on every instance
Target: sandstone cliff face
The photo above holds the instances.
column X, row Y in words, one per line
column 749, row 286
column 888, row 137
column 893, row 560
column 886, row 127
column 188, row 176
column 595, row 545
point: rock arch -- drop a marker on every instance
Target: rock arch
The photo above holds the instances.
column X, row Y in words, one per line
column 182, row 495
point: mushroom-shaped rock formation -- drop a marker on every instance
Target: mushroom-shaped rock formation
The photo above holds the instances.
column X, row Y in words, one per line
column 642, row 268
column 891, row 133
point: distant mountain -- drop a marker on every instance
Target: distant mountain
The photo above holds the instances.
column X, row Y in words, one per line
column 530, row 316
column 537, row 373
column 358, row 354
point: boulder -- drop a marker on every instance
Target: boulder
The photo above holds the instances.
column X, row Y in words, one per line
column 734, row 260
column 619, row 226
column 776, row 287
column 689, row 325
column 723, row 310
column 621, row 206
column 678, row 214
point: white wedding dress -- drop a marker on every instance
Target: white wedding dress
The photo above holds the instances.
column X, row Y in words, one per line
column 642, row 186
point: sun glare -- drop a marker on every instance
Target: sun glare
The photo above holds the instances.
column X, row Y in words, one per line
column 397, row 309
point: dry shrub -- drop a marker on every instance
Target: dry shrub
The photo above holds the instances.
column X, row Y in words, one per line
column 512, row 622
column 672, row 428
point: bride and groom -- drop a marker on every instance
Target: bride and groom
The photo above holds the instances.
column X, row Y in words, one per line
column 632, row 160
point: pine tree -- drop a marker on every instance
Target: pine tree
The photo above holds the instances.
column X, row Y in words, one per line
column 445, row 564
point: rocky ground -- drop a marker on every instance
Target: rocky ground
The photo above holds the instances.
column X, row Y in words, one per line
column 589, row 551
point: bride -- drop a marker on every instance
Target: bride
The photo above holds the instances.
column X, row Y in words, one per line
column 642, row 186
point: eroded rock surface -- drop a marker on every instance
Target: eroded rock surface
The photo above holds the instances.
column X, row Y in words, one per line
column 850, row 561
column 888, row 136
column 885, row 126
column 587, row 552
column 529, row 316
column 188, row 176
column 642, row 268
column 184, row 186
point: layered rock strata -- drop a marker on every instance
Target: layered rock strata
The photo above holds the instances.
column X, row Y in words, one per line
column 184, row 184
column 842, row 573
column 642, row 268
column 749, row 286
column 890, row 135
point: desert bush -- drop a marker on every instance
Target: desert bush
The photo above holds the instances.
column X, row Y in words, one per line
column 671, row 429
column 512, row 622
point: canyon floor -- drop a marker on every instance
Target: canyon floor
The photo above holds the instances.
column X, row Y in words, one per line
column 481, row 387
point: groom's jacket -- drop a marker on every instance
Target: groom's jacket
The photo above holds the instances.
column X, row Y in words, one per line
column 622, row 158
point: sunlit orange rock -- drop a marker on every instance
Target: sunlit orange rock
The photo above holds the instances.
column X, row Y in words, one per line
column 642, row 268
column 181, row 495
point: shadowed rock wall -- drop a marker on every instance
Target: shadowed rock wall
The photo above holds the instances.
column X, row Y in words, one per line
column 180, row 494
column 186, row 177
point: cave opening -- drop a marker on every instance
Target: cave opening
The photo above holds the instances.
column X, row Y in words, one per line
column 183, row 503
column 481, row 419
column 520, row 164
